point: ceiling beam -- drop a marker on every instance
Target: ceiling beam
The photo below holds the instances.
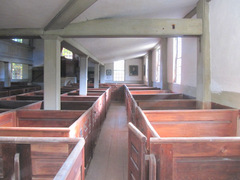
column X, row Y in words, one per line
column 191, row 13
column 132, row 28
column 68, row 13
column 118, row 28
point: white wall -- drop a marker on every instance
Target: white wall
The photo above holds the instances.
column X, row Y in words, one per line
column 225, row 53
column 127, row 78
column 189, row 67
column 134, row 79
column 38, row 52
column 156, row 83
column 109, row 79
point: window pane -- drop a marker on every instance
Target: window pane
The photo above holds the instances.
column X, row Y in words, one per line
column 17, row 71
column 17, row 40
column 177, row 59
column 67, row 54
column 119, row 70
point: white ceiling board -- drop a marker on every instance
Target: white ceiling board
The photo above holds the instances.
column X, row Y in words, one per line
column 112, row 49
column 137, row 9
column 28, row 13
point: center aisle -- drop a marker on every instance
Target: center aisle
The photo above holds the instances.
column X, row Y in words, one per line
column 110, row 159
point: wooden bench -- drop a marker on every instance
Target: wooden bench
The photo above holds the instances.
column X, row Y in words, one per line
column 194, row 123
column 9, row 105
column 39, row 123
column 174, row 104
column 41, row 158
column 177, row 131
column 196, row 157
column 160, row 96
column 134, row 92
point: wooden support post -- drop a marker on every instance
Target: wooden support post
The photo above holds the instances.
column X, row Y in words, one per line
column 8, row 75
column 52, row 75
column 163, row 70
column 96, row 76
column 102, row 74
column 83, row 75
column 203, row 62
column 150, row 83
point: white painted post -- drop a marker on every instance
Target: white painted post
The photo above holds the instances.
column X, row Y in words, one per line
column 203, row 62
column 102, row 74
column 83, row 75
column 52, row 75
column 96, row 75
column 150, row 83
column 8, row 74
column 163, row 67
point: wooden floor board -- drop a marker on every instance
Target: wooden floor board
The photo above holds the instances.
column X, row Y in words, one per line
column 110, row 156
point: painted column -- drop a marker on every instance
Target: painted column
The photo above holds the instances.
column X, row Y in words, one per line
column 83, row 75
column 8, row 74
column 52, row 75
column 203, row 61
column 96, row 76
column 163, row 66
column 102, row 74
column 150, row 83
column 30, row 74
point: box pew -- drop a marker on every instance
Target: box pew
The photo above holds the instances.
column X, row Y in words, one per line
column 180, row 148
column 194, row 123
column 170, row 104
column 130, row 105
column 66, row 97
column 174, row 104
column 143, row 88
column 136, row 85
column 3, row 93
column 196, row 157
column 160, row 96
column 9, row 105
column 141, row 164
column 41, row 158
column 50, row 123
column 134, row 92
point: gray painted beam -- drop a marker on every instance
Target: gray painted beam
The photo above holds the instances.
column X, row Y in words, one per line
column 68, row 13
column 118, row 28
column 191, row 13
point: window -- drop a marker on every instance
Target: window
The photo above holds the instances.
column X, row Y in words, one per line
column 177, row 60
column 67, row 54
column 17, row 71
column 18, row 40
column 158, row 64
column 119, row 70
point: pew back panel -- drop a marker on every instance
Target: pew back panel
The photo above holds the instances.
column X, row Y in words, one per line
column 197, row 158
column 40, row 158
column 194, row 123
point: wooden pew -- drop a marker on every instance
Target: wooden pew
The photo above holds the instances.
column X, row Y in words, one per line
column 143, row 88
column 9, row 105
column 134, row 92
column 194, row 123
column 41, row 158
column 170, row 104
column 174, row 104
column 159, row 96
column 197, row 157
